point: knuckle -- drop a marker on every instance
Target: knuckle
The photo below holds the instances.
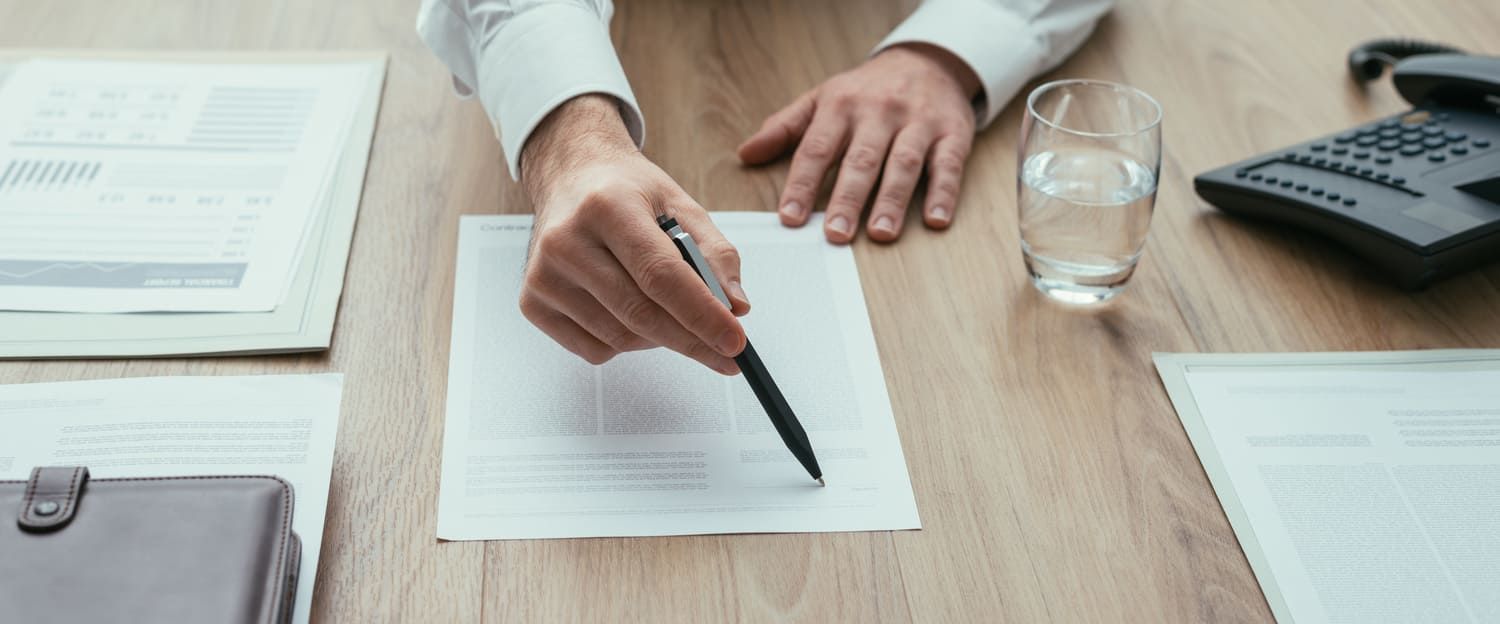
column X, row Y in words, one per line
column 841, row 97
column 595, row 203
column 907, row 159
column 863, row 159
column 639, row 314
column 893, row 196
column 541, row 279
column 656, row 275
column 946, row 188
column 553, row 245
column 800, row 186
column 700, row 351
column 820, row 147
column 724, row 252
column 948, row 163
column 621, row 339
column 531, row 305
column 891, row 102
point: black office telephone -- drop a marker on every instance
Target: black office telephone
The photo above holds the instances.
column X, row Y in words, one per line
column 1417, row 194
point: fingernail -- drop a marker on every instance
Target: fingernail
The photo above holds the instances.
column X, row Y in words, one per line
column 792, row 210
column 737, row 292
column 840, row 224
column 729, row 343
column 883, row 225
column 727, row 368
column 940, row 214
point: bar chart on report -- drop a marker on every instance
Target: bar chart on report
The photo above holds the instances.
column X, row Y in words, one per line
column 151, row 177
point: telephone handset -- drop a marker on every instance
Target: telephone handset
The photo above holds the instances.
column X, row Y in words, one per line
column 1416, row 194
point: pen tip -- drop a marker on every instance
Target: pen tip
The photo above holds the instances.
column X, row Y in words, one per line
column 820, row 482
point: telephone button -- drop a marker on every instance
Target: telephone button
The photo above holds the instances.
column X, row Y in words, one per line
column 1412, row 150
column 1434, row 142
column 1241, row 174
column 1398, row 180
column 1382, row 176
column 1367, row 140
column 1316, row 192
column 1270, row 179
column 1345, row 138
column 1481, row 143
column 1286, row 184
column 1301, row 188
column 1456, row 136
column 1339, row 151
column 1361, row 155
column 1432, row 130
column 1389, row 144
column 1366, row 171
column 1459, row 150
column 1351, row 168
column 1382, row 160
column 1389, row 123
column 1390, row 132
column 1436, row 157
column 1318, row 147
column 1350, row 201
column 1333, row 197
column 1255, row 177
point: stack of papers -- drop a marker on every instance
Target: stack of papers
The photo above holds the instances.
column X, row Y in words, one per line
column 178, row 189
column 186, row 426
column 1363, row 487
column 540, row 444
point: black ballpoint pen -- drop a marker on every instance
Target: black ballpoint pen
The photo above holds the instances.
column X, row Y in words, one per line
column 749, row 362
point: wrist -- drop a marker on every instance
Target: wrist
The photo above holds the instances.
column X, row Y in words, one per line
column 580, row 130
column 943, row 60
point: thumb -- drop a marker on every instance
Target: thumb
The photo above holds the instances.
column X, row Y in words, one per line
column 779, row 133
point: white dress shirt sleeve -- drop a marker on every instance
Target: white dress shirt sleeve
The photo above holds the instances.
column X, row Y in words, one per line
column 1005, row 42
column 526, row 57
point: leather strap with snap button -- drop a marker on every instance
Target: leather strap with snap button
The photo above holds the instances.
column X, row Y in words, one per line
column 52, row 497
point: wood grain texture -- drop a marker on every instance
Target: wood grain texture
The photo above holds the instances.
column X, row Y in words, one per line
column 1054, row 482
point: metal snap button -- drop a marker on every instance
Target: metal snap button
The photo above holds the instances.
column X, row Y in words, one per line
column 45, row 508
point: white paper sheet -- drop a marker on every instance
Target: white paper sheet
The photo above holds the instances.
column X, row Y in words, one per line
column 282, row 425
column 1363, row 489
column 540, row 444
column 305, row 316
column 133, row 186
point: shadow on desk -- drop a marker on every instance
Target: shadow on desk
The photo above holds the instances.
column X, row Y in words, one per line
column 1452, row 306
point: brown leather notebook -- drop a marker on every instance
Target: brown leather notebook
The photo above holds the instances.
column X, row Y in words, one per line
column 174, row 549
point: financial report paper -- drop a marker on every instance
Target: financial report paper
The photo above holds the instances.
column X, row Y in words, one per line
column 540, row 444
column 1363, row 487
column 282, row 425
column 132, row 186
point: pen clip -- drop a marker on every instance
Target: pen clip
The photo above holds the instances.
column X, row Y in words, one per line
column 694, row 257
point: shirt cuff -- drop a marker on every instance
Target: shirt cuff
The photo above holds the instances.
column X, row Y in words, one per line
column 542, row 58
column 996, row 44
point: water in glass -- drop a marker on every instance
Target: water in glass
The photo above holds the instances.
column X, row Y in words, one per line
column 1084, row 213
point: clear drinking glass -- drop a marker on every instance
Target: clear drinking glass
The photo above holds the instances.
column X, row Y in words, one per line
column 1089, row 156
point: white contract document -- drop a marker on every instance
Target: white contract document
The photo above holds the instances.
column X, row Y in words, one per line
column 1363, row 487
column 282, row 425
column 150, row 186
column 540, row 444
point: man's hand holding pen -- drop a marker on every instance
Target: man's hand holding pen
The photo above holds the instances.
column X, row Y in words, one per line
column 601, row 279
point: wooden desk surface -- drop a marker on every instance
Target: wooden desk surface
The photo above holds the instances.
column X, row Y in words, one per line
column 1054, row 481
